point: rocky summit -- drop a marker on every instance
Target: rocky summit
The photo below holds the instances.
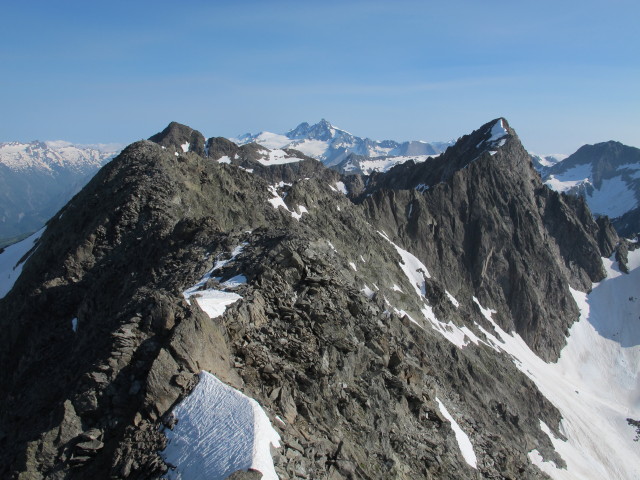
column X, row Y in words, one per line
column 208, row 310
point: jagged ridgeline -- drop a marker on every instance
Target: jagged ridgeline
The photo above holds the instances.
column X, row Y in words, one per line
column 368, row 317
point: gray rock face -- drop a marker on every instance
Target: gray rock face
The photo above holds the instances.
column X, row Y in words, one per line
column 488, row 227
column 353, row 378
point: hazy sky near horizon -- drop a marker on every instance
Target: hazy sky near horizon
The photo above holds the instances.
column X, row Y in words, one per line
column 563, row 73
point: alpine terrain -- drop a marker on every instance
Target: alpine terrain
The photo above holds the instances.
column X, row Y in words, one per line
column 208, row 310
column 607, row 175
column 38, row 178
column 344, row 151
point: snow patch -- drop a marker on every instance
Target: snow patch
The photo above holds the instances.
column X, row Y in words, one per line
column 498, row 132
column 342, row 187
column 452, row 299
column 224, row 159
column 368, row 292
column 466, row 448
column 10, row 265
column 277, row 157
column 185, row 147
column 353, row 265
column 413, row 268
column 219, row 431
column 212, row 301
column 74, row 324
column 614, row 198
column 277, row 201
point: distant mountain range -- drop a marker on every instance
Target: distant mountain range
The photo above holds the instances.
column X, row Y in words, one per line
column 38, row 178
column 344, row 151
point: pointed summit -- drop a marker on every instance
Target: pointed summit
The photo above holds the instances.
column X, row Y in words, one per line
column 323, row 131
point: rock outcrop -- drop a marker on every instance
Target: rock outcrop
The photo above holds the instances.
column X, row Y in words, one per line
column 100, row 343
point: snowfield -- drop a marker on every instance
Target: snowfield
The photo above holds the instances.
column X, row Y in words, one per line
column 615, row 196
column 10, row 265
column 595, row 383
column 219, row 431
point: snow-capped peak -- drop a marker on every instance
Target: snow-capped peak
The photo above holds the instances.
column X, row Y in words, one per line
column 323, row 130
column 497, row 136
column 333, row 145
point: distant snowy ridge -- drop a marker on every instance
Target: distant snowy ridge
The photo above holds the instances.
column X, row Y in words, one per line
column 606, row 174
column 51, row 155
column 38, row 178
column 332, row 145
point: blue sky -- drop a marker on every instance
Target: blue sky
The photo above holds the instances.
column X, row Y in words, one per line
column 563, row 73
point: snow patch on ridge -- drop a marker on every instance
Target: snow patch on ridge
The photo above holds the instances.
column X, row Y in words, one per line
column 219, row 431
column 277, row 157
column 277, row 201
column 212, row 301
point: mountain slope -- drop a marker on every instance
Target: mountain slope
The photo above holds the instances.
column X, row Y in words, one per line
column 364, row 330
column 37, row 179
column 607, row 175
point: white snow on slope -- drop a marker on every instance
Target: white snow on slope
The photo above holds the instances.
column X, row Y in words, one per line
column 342, row 188
column 50, row 156
column 185, row 147
column 214, row 302
column 268, row 139
column 452, row 299
column 219, row 431
column 614, row 198
column 312, row 148
column 595, row 383
column 412, row 267
column 277, row 157
column 415, row 271
column 498, row 131
column 10, row 269
column 631, row 169
column 383, row 164
column 562, row 182
column 466, row 448
column 277, row 201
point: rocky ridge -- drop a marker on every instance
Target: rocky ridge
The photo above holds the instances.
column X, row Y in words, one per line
column 329, row 334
